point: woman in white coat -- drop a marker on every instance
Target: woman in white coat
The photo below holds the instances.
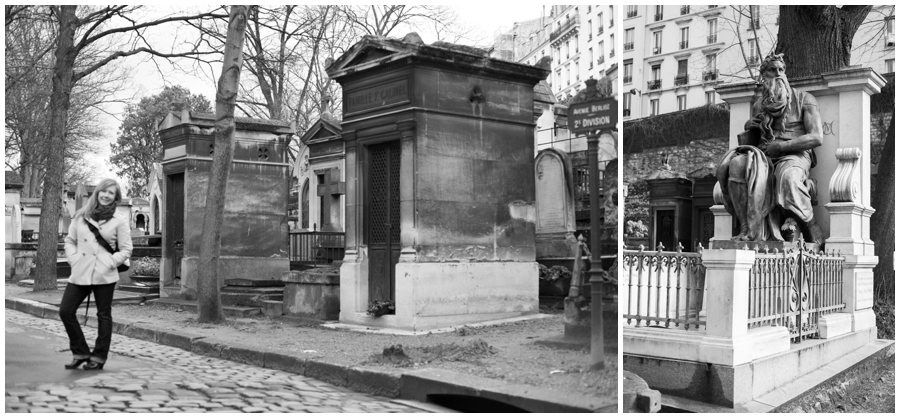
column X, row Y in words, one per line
column 94, row 269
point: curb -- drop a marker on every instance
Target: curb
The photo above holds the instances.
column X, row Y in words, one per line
column 396, row 385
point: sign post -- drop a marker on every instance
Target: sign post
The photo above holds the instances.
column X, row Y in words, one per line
column 590, row 113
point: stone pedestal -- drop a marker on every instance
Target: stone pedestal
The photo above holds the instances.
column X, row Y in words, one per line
column 313, row 293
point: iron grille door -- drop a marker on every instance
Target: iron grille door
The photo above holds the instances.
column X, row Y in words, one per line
column 384, row 219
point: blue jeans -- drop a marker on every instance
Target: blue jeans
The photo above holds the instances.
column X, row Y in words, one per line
column 72, row 298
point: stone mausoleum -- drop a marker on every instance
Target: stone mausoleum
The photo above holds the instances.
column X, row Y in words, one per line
column 254, row 230
column 440, row 192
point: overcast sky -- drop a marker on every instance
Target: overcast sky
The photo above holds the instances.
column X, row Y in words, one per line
column 485, row 16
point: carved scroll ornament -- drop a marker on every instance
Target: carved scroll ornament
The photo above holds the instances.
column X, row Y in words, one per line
column 844, row 186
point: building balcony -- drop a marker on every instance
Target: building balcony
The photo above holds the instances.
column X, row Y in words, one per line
column 753, row 60
column 681, row 80
column 626, row 113
column 685, row 10
column 711, row 75
column 657, row 17
column 754, row 24
column 601, row 60
column 600, row 30
column 713, row 7
column 889, row 40
column 629, row 46
column 611, row 22
column 631, row 13
column 612, row 53
column 590, row 36
column 711, row 39
column 683, row 44
column 570, row 24
column 657, row 50
column 626, row 79
column 654, row 84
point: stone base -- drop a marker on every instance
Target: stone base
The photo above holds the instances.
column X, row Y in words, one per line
column 437, row 295
column 314, row 293
column 733, row 385
column 834, row 325
column 693, row 345
column 863, row 320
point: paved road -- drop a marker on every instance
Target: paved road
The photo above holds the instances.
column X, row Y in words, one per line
column 145, row 377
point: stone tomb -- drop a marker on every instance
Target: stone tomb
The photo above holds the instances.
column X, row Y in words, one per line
column 326, row 183
column 254, row 232
column 670, row 213
column 554, row 205
column 440, row 185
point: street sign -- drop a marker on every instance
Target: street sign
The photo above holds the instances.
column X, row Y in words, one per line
column 589, row 116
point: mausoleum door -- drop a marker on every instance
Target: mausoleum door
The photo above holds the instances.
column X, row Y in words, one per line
column 175, row 224
column 665, row 229
column 383, row 202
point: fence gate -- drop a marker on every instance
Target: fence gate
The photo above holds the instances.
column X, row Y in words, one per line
column 794, row 289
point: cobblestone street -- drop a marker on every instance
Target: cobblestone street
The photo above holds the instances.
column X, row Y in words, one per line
column 174, row 381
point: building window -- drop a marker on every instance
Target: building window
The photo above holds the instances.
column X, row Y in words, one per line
column 568, row 76
column 682, row 101
column 752, row 56
column 629, row 39
column 626, row 105
column 612, row 43
column 685, row 36
column 685, row 10
column 590, row 58
column 612, row 16
column 654, row 107
column 657, row 42
column 754, row 17
column 711, row 97
column 681, row 78
column 712, row 25
column 577, row 72
column 710, row 74
column 631, row 11
column 889, row 65
column 629, row 67
column 889, row 31
column 659, row 13
column 600, row 49
column 567, row 49
column 590, row 32
column 654, row 83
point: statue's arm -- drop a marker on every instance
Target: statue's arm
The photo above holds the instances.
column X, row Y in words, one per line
column 812, row 121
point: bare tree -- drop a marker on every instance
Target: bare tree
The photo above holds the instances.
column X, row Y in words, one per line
column 94, row 27
column 209, row 303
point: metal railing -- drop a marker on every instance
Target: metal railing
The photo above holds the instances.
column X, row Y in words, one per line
column 683, row 44
column 681, row 80
column 654, row 84
column 794, row 288
column 316, row 247
column 626, row 79
column 685, row 10
column 664, row 287
column 632, row 13
column 565, row 27
column 711, row 39
column 710, row 75
column 657, row 17
column 629, row 46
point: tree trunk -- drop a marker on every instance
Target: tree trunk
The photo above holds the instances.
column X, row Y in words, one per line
column 209, row 303
column 63, row 81
column 817, row 39
column 882, row 223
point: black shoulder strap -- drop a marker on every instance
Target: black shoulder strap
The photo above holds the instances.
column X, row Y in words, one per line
column 99, row 237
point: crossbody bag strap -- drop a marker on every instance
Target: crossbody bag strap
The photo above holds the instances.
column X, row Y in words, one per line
column 99, row 237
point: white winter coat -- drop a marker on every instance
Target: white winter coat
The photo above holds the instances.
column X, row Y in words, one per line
column 91, row 263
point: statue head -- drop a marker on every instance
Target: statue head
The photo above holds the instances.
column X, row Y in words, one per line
column 776, row 92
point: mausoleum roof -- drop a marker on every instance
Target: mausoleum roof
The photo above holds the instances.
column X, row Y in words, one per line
column 375, row 51
column 13, row 180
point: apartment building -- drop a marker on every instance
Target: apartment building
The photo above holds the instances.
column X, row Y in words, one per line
column 675, row 55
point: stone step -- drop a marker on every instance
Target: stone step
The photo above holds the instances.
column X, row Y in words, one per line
column 191, row 306
column 254, row 282
column 152, row 290
column 248, row 298
column 253, row 290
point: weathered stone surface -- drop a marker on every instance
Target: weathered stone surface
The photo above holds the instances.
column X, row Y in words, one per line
column 245, row 355
column 253, row 282
column 331, row 373
column 285, row 363
column 376, row 382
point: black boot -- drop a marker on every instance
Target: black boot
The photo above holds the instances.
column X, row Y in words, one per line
column 76, row 363
column 93, row 365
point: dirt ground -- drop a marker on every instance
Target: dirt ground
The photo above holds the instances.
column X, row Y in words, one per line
column 870, row 390
column 505, row 352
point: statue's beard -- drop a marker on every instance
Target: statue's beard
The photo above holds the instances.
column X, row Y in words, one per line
column 775, row 100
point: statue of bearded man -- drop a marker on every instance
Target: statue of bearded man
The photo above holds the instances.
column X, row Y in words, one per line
column 765, row 180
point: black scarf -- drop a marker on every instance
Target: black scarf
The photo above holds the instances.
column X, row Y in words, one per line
column 103, row 213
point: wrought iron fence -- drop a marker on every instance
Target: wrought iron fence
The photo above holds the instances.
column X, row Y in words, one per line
column 316, row 247
column 664, row 288
column 794, row 288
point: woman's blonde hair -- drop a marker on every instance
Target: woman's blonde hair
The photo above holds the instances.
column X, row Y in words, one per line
column 88, row 208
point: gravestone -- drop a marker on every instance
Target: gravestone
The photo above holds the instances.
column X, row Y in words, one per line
column 554, row 205
column 254, row 242
column 440, row 215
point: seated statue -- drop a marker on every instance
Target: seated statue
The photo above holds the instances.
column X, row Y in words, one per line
column 765, row 179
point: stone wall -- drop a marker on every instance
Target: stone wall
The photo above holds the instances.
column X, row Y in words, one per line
column 681, row 158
